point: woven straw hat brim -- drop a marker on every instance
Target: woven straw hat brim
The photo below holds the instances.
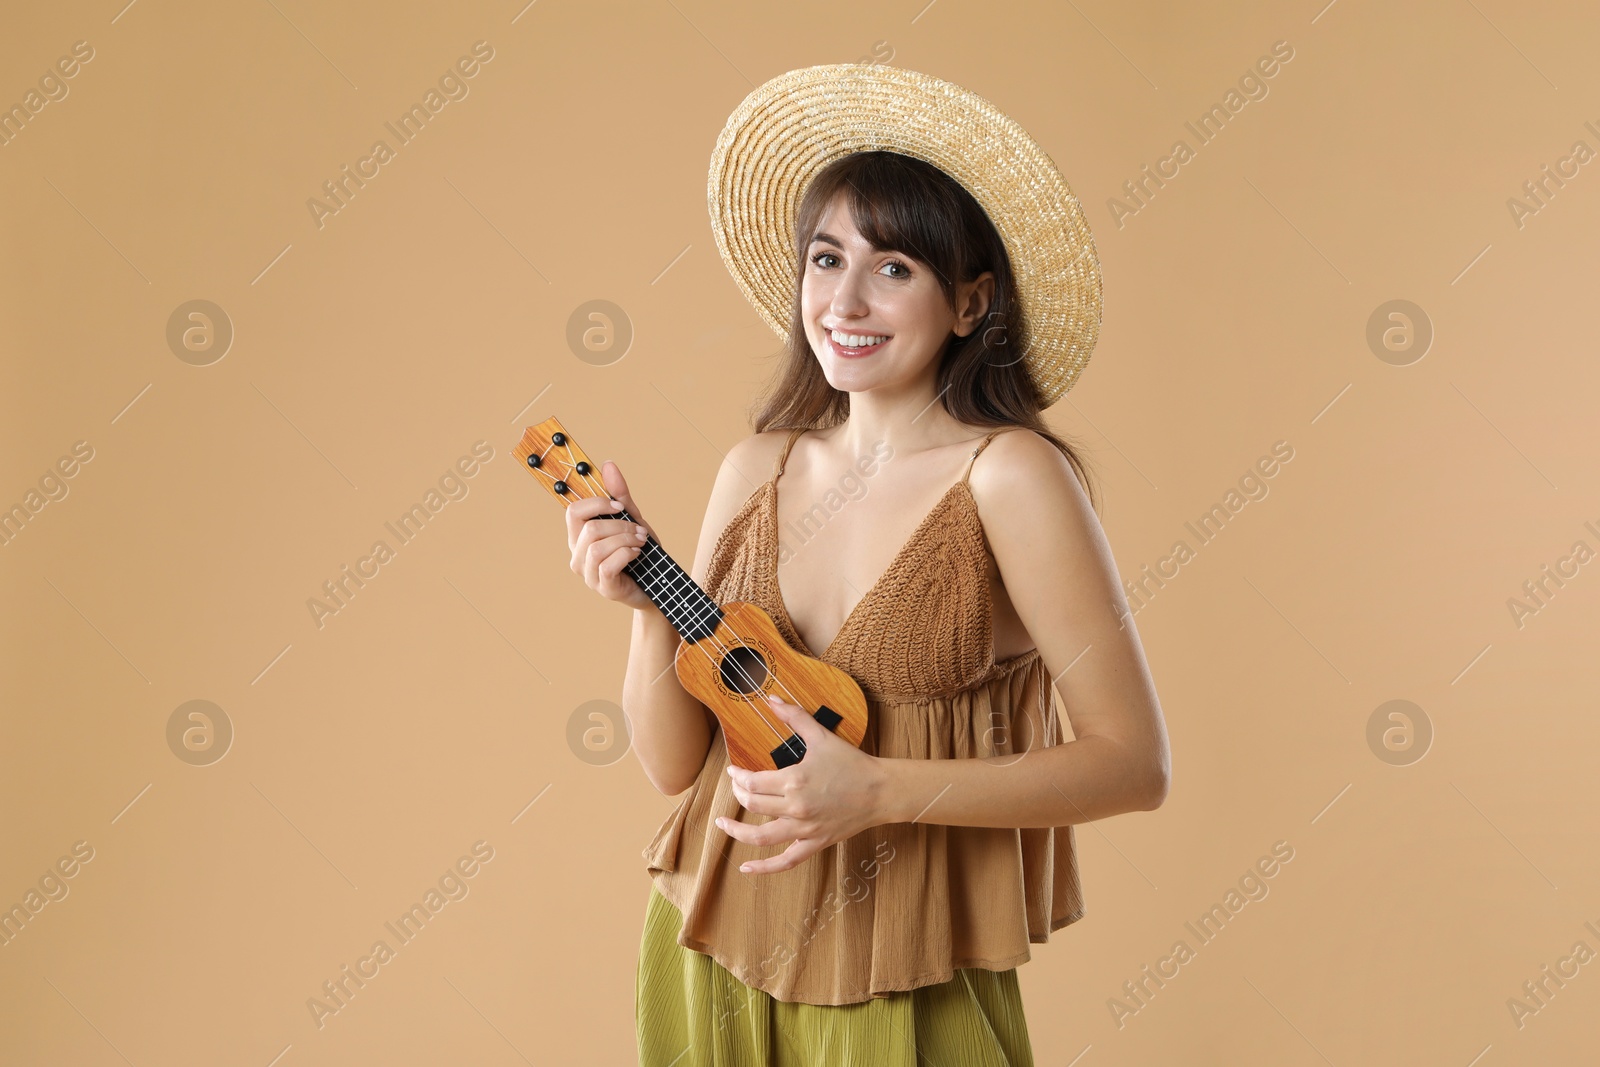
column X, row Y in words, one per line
column 791, row 127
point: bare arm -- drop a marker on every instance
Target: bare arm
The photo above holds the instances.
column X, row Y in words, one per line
column 1060, row 574
column 671, row 734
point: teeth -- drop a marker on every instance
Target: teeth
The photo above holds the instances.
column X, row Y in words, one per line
column 852, row 340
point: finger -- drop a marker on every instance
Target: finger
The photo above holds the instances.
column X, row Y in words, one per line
column 803, row 848
column 801, row 721
column 772, row 783
column 611, row 477
column 773, row 832
column 594, row 532
column 579, row 512
column 760, row 803
column 608, row 555
column 611, row 567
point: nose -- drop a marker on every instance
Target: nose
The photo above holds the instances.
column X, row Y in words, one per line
column 849, row 294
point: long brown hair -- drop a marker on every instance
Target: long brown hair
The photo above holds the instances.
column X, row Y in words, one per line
column 906, row 205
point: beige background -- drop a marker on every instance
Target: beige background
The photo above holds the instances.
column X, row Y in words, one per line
column 371, row 353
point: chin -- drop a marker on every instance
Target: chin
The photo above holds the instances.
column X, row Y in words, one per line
column 852, row 383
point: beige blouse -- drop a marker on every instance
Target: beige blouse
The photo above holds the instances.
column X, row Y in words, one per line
column 900, row 905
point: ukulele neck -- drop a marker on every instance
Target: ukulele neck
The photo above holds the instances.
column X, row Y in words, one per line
column 689, row 609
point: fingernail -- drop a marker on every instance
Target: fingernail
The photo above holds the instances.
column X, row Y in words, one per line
column 744, row 868
column 616, row 503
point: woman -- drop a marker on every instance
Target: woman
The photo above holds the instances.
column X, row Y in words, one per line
column 872, row 904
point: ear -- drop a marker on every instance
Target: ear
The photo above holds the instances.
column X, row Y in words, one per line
column 973, row 300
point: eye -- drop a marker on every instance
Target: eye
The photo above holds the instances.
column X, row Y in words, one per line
column 893, row 264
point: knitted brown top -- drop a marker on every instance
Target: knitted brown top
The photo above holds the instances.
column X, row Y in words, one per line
column 900, row 905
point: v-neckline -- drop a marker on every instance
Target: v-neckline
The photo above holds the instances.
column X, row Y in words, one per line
column 777, row 588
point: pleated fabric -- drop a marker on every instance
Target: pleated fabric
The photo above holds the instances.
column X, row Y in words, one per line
column 690, row 1012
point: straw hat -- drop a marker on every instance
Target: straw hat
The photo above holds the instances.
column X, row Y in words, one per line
column 788, row 129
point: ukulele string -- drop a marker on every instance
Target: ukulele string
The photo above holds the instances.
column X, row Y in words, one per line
column 653, row 570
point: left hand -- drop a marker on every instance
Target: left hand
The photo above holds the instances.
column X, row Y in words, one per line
column 833, row 793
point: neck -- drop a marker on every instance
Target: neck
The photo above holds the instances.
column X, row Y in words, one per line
column 909, row 418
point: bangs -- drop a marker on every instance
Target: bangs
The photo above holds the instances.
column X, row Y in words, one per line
column 899, row 204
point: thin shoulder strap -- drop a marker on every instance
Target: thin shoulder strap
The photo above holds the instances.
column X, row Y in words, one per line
column 983, row 445
column 783, row 456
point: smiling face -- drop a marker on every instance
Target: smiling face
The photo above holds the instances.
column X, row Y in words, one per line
column 878, row 318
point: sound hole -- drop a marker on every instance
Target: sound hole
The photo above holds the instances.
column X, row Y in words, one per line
column 743, row 670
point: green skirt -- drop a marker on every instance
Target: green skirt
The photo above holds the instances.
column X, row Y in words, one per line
column 691, row 1012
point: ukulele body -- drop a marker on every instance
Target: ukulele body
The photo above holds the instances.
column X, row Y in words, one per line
column 745, row 660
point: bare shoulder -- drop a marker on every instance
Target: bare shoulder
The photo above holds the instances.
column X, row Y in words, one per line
column 1048, row 544
column 1028, row 494
column 745, row 468
column 756, row 455
column 1019, row 463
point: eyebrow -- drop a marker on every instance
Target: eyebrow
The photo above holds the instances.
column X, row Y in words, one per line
column 829, row 238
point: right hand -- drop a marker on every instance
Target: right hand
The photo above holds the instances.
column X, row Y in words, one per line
column 602, row 547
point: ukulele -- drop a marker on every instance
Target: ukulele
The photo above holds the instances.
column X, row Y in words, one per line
column 732, row 655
